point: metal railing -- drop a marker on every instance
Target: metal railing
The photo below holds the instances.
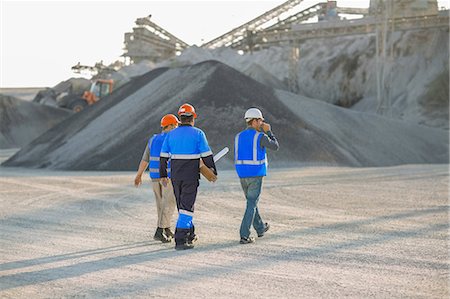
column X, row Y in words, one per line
column 298, row 32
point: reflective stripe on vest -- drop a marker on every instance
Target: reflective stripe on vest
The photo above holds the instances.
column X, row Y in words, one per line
column 249, row 157
column 254, row 160
column 156, row 171
column 154, row 147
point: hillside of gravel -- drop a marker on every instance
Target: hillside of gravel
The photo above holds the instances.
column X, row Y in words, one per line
column 22, row 121
column 343, row 71
column 112, row 134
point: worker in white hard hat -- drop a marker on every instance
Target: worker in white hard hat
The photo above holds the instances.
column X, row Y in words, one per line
column 251, row 166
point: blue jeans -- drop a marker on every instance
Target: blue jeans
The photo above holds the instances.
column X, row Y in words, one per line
column 252, row 188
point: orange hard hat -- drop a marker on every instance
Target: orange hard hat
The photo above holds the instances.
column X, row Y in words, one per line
column 169, row 119
column 187, row 109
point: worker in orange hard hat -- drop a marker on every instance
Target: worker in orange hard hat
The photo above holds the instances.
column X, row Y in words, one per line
column 164, row 195
column 185, row 146
column 169, row 119
column 187, row 109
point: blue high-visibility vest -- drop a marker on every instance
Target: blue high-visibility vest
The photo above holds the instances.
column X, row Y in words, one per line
column 154, row 145
column 250, row 158
column 185, row 143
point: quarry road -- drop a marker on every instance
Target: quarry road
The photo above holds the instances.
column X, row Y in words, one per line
column 335, row 232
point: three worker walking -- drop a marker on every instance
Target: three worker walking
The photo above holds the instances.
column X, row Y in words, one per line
column 174, row 158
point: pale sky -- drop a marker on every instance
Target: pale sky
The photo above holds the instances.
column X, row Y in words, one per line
column 42, row 40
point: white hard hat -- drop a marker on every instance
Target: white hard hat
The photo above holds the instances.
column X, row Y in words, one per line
column 253, row 113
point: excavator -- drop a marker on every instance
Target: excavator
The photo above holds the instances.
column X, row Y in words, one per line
column 64, row 95
column 99, row 89
column 75, row 94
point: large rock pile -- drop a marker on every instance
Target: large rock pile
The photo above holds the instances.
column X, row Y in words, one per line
column 112, row 134
column 22, row 121
column 342, row 71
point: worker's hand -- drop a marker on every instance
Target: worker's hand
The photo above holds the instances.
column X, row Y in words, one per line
column 265, row 127
column 214, row 177
column 165, row 181
column 137, row 180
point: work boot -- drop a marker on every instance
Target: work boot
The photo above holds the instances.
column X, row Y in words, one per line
column 165, row 238
column 191, row 239
column 183, row 244
column 247, row 240
column 266, row 228
column 160, row 235
column 168, row 232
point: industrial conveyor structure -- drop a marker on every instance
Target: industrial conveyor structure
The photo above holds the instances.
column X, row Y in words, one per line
column 278, row 18
column 148, row 41
column 284, row 25
column 290, row 23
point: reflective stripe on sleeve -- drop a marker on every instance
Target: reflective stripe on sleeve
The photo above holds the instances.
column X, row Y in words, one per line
column 164, row 155
column 184, row 212
column 206, row 154
column 154, row 158
column 184, row 157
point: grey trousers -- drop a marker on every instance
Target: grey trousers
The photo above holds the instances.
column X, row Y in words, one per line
column 165, row 203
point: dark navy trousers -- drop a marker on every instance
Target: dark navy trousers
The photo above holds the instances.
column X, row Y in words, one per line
column 185, row 194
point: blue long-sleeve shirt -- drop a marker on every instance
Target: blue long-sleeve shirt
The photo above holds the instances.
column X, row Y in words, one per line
column 185, row 146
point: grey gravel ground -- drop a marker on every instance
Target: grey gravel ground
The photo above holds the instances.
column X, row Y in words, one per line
column 335, row 232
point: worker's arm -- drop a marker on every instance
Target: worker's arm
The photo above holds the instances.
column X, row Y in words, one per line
column 163, row 166
column 269, row 140
column 164, row 159
column 209, row 162
column 142, row 166
column 206, row 153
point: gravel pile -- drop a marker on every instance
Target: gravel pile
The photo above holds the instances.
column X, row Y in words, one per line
column 112, row 134
column 22, row 121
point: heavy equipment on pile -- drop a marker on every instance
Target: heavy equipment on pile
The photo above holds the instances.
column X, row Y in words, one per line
column 99, row 89
column 77, row 93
